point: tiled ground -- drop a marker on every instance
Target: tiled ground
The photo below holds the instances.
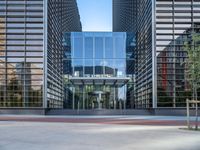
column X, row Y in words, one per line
column 97, row 134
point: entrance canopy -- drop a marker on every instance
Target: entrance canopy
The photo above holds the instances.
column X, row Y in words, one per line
column 116, row 81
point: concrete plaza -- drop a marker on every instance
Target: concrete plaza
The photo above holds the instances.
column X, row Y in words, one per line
column 55, row 135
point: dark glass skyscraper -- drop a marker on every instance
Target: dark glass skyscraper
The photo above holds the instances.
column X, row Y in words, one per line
column 31, row 51
column 124, row 18
column 161, row 28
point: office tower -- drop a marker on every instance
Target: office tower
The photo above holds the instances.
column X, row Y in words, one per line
column 124, row 16
column 31, row 51
column 161, row 28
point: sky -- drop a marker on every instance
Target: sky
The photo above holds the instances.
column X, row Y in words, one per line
column 96, row 15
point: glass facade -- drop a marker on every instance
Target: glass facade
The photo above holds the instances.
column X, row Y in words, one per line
column 98, row 66
column 161, row 27
column 21, row 53
column 175, row 21
column 31, row 51
column 139, row 65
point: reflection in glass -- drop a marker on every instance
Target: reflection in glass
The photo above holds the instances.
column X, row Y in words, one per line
column 78, row 67
column 99, row 68
column 97, row 65
column 99, row 48
column 120, row 67
column 21, row 54
column 172, row 85
column 88, row 67
column 89, row 47
column 78, row 47
column 109, row 68
column 119, row 45
column 109, row 51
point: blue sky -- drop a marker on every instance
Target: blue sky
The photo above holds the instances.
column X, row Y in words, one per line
column 96, row 15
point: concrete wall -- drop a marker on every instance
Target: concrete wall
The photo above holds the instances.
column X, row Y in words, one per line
column 98, row 112
column 173, row 111
column 18, row 111
column 158, row 112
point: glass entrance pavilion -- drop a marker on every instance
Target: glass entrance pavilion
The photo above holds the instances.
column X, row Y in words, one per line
column 99, row 70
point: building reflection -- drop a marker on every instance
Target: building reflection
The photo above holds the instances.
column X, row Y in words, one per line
column 99, row 66
column 173, row 85
column 21, row 85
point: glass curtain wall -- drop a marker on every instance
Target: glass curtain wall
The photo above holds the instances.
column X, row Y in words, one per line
column 21, row 53
column 175, row 21
column 97, row 55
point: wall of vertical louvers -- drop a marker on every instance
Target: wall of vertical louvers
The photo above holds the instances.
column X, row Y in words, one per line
column 21, row 53
column 63, row 16
column 175, row 21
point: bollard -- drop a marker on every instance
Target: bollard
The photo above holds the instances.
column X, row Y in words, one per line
column 188, row 113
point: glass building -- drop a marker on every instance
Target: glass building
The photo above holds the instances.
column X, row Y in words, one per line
column 161, row 27
column 99, row 70
column 175, row 22
column 31, row 51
